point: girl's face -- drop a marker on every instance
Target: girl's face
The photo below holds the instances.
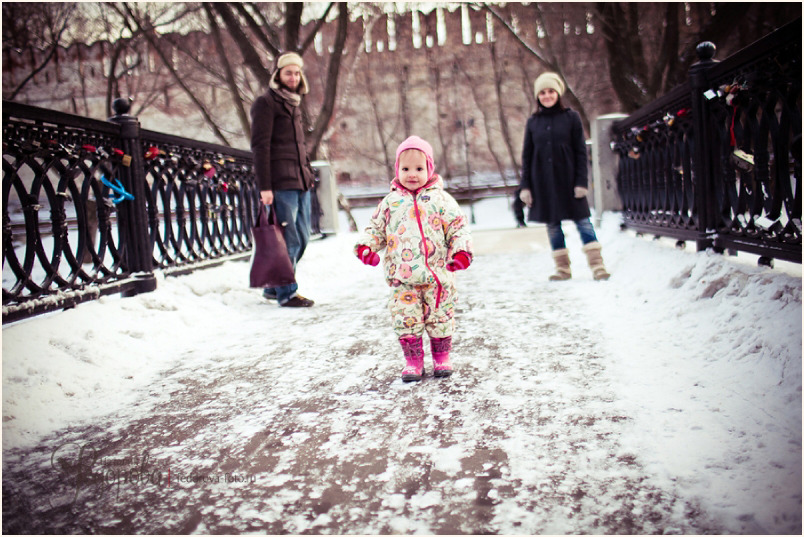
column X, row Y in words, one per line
column 548, row 97
column 290, row 76
column 412, row 169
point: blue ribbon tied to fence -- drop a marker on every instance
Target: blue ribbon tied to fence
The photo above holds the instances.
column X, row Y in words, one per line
column 117, row 187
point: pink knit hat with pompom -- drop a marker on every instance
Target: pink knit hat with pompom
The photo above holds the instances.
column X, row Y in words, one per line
column 414, row 142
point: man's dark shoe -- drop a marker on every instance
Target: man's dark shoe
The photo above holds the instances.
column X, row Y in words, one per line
column 269, row 294
column 298, row 301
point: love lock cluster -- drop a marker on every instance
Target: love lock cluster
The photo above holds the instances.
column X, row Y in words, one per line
column 209, row 168
column 735, row 95
column 635, row 138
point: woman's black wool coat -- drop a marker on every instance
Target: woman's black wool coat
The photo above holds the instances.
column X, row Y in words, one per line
column 554, row 162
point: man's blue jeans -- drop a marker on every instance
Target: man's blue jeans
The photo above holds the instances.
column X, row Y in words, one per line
column 293, row 214
column 556, row 235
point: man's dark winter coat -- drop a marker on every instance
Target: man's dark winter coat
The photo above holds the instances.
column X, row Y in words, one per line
column 277, row 141
column 554, row 162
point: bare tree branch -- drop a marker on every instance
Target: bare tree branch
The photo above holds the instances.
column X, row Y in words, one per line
column 150, row 34
column 250, row 56
column 229, row 75
column 541, row 59
column 474, row 87
column 293, row 13
column 551, row 64
column 265, row 33
column 330, row 92
column 506, row 135
column 53, row 48
column 311, row 36
column 667, row 62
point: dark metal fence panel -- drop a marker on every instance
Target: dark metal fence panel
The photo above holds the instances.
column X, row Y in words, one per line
column 60, row 245
column 92, row 208
column 656, row 180
column 754, row 112
column 201, row 200
column 718, row 160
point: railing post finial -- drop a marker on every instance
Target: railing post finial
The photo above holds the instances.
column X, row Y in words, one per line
column 122, row 106
column 706, row 51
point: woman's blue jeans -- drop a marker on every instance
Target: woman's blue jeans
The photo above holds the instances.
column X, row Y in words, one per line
column 293, row 214
column 556, row 235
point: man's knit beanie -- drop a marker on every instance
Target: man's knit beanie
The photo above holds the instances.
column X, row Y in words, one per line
column 289, row 58
column 549, row 80
column 414, row 142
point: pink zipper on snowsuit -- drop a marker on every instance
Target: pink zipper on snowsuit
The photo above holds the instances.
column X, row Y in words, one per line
column 439, row 287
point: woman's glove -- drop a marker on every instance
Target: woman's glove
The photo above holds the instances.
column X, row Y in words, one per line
column 460, row 261
column 368, row 257
column 581, row 192
column 525, row 196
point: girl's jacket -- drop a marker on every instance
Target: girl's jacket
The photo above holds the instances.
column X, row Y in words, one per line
column 421, row 232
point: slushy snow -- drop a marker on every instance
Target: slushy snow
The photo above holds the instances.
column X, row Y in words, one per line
column 687, row 364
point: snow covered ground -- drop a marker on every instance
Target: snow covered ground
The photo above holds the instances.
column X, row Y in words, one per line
column 665, row 400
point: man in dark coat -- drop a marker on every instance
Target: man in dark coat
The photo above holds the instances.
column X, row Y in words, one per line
column 281, row 164
column 554, row 175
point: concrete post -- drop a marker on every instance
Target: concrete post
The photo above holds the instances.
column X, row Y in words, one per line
column 327, row 191
column 605, row 196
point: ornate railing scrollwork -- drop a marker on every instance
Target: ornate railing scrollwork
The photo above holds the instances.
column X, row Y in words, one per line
column 718, row 160
column 94, row 207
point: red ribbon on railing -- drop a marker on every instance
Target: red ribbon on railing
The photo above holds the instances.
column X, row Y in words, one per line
column 733, row 139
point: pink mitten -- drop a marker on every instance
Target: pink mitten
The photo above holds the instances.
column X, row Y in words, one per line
column 460, row 261
column 368, row 257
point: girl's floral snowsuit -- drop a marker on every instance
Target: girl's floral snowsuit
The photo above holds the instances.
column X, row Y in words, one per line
column 421, row 231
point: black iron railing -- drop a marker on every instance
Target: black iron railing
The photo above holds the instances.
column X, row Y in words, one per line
column 201, row 201
column 91, row 208
column 718, row 160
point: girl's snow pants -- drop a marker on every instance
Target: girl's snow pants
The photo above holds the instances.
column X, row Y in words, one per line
column 413, row 310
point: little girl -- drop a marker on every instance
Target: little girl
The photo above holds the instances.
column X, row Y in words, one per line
column 426, row 238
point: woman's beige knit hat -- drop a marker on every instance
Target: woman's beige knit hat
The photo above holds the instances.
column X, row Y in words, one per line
column 549, row 80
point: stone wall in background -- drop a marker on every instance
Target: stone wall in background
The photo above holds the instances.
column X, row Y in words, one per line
column 430, row 74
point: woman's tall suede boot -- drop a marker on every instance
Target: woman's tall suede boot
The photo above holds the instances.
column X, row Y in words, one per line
column 595, row 259
column 562, row 260
column 414, row 358
column 440, row 347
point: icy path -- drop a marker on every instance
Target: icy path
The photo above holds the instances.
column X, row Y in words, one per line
column 569, row 411
column 307, row 429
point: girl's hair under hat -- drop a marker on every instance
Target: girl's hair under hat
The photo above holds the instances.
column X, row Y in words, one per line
column 414, row 142
column 549, row 80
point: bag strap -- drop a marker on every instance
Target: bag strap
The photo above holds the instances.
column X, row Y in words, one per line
column 265, row 216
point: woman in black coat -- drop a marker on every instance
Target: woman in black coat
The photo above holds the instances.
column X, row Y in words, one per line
column 554, row 176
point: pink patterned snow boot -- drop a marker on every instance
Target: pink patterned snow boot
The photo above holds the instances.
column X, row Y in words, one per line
column 414, row 358
column 440, row 347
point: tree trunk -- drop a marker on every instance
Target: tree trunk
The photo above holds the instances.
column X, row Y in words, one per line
column 153, row 39
column 404, row 109
column 251, row 57
column 331, row 89
column 376, row 112
column 628, row 83
column 506, row 135
column 443, row 139
column 474, row 87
